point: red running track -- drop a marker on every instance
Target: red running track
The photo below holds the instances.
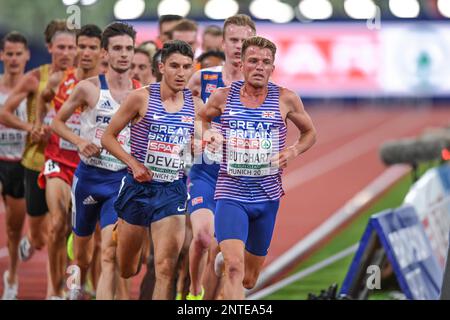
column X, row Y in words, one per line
column 343, row 161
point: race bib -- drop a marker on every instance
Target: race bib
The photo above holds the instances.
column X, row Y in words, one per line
column 249, row 157
column 51, row 167
column 165, row 160
column 106, row 160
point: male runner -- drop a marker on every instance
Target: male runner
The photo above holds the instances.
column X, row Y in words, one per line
column 141, row 67
column 61, row 156
column 153, row 193
column 98, row 175
column 14, row 54
column 61, row 45
column 253, row 126
column 186, row 30
column 203, row 176
column 212, row 38
column 166, row 23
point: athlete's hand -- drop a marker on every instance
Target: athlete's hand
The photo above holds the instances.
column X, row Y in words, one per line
column 40, row 133
column 88, row 149
column 141, row 173
column 214, row 140
column 46, row 131
column 35, row 134
column 282, row 159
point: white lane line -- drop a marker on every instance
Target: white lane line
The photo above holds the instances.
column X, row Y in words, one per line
column 303, row 273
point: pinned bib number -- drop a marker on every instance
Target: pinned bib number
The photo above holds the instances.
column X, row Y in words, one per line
column 249, row 157
column 51, row 167
column 164, row 159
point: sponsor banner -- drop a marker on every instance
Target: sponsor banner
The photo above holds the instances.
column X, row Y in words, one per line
column 401, row 236
column 430, row 197
column 319, row 59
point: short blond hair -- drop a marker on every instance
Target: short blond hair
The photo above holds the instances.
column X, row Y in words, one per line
column 241, row 20
column 259, row 42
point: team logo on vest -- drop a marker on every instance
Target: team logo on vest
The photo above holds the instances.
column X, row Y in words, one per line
column 210, row 88
column 185, row 119
column 210, row 76
column 268, row 114
column 106, row 105
column 266, row 144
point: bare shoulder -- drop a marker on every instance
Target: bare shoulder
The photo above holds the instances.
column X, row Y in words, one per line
column 89, row 85
column 30, row 81
column 94, row 81
column 55, row 78
column 289, row 96
column 138, row 95
column 136, row 101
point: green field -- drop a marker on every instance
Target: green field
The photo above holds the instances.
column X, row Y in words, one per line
column 336, row 272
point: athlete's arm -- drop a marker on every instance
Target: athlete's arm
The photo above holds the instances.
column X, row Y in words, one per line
column 194, row 84
column 198, row 127
column 76, row 99
column 292, row 108
column 133, row 108
column 46, row 96
column 213, row 108
column 26, row 86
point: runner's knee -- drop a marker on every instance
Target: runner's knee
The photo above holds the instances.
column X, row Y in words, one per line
column 234, row 267
column 165, row 268
column 203, row 240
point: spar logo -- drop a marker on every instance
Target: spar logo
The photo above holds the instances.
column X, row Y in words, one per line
column 266, row 144
column 164, row 147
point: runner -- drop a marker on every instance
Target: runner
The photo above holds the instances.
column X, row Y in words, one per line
column 62, row 47
column 186, row 30
column 203, row 176
column 98, row 175
column 141, row 68
column 166, row 22
column 14, row 54
column 61, row 156
column 253, row 130
column 212, row 38
column 153, row 193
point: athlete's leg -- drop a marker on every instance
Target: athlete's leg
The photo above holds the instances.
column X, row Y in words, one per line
column 83, row 248
column 129, row 246
column 58, row 201
column 231, row 222
column 107, row 282
column 123, row 287
column 167, row 249
column 15, row 217
column 211, row 282
column 253, row 266
column 38, row 231
column 37, row 213
column 183, row 280
column 148, row 282
column 260, row 233
column 202, row 222
column 95, row 266
column 233, row 255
